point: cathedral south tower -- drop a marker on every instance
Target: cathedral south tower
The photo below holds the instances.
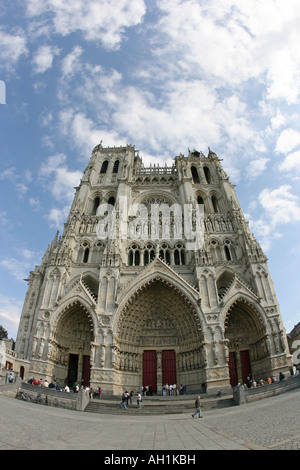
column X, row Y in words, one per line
column 155, row 279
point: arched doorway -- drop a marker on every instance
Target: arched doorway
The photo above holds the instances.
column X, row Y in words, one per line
column 72, row 339
column 159, row 339
column 246, row 335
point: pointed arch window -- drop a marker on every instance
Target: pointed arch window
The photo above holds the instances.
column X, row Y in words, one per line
column 195, row 175
column 104, row 167
column 207, row 175
column 215, row 204
column 111, row 201
column 95, row 205
column 86, row 254
column 164, row 253
column 137, row 258
column 227, row 253
column 179, row 255
column 149, row 254
column 130, row 258
column 134, row 258
column 116, row 166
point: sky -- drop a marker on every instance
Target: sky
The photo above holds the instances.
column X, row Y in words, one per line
column 165, row 76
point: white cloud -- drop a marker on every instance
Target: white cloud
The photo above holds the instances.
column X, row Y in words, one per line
column 11, row 174
column 291, row 163
column 60, row 179
column 104, row 21
column 57, row 216
column 232, row 42
column 18, row 268
column 83, row 132
column 71, row 64
column 287, row 141
column 198, row 70
column 34, row 202
column 257, row 167
column 51, row 164
column 280, row 205
column 43, row 58
column 4, row 220
column 27, row 254
column 13, row 46
column 273, row 209
column 278, row 120
column 10, row 312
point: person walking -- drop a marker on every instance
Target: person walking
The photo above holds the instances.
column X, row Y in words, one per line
column 124, row 400
column 198, row 408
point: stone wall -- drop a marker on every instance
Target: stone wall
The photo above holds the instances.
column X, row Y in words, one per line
column 242, row 396
column 45, row 396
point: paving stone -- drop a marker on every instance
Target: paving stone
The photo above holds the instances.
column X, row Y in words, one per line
column 270, row 424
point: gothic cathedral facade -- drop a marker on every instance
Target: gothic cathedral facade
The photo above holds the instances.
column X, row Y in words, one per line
column 155, row 279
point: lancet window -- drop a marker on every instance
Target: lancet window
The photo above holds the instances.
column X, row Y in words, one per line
column 215, row 204
column 207, row 175
column 134, row 255
column 149, row 254
column 195, row 175
column 104, row 167
column 116, row 166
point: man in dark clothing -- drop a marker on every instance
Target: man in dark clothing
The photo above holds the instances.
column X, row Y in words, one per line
column 198, row 409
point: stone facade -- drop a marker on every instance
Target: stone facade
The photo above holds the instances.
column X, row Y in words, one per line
column 294, row 346
column 156, row 277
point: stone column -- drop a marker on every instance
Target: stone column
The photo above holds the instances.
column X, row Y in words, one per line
column 158, row 373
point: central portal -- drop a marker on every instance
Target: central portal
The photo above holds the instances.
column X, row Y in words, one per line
column 158, row 339
column 159, row 368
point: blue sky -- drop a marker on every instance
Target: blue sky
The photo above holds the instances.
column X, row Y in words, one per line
column 165, row 76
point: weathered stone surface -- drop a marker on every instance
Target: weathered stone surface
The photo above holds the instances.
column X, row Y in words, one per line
column 140, row 267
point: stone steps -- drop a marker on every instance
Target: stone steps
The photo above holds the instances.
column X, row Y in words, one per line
column 155, row 405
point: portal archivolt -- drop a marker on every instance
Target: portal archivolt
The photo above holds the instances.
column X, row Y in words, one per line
column 248, row 347
column 71, row 344
column 159, row 332
column 159, row 316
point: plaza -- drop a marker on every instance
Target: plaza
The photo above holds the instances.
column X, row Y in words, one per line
column 268, row 424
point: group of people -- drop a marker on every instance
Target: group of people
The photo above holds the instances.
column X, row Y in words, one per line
column 252, row 383
column 172, row 389
column 54, row 384
column 42, row 383
column 128, row 397
column 147, row 390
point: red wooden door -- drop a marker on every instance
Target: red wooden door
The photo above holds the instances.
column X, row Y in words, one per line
column 245, row 365
column 86, row 371
column 168, row 367
column 149, row 370
column 232, row 369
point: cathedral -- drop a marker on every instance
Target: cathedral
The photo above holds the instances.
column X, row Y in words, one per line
column 156, row 279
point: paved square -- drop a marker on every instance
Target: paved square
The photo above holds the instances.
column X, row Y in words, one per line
column 268, row 424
